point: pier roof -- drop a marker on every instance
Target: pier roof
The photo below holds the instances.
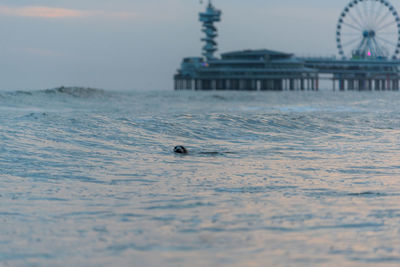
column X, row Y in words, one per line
column 256, row 53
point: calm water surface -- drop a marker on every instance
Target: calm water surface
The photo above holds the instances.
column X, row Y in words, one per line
column 88, row 178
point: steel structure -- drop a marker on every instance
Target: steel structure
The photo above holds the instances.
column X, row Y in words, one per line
column 368, row 29
column 209, row 17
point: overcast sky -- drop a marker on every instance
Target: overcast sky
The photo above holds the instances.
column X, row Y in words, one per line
column 138, row 44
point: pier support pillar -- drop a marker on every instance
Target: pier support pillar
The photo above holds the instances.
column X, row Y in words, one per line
column 395, row 85
column 220, row 84
column 351, row 84
column 228, row 84
column 265, row 85
column 248, row 85
column 235, row 84
column 241, row 84
column 253, row 84
column 341, row 84
column 291, row 85
column 377, row 85
column 206, row 84
column 278, row 85
column 361, row 85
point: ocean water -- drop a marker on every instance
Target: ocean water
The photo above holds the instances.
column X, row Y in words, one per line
column 88, row 178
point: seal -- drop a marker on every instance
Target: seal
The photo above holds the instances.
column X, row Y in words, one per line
column 180, row 150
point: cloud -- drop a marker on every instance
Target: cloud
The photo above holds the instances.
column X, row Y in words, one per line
column 60, row 13
column 40, row 12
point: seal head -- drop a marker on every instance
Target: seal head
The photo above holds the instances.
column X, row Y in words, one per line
column 180, row 150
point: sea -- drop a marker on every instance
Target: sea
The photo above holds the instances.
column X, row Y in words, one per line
column 88, row 177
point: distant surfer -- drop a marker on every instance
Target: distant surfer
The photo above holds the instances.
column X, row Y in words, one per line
column 180, row 150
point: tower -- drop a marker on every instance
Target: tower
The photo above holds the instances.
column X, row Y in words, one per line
column 208, row 18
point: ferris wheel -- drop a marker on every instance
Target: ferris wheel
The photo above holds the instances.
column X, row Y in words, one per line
column 368, row 29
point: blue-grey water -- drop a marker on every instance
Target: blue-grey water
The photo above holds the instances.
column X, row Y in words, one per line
column 88, row 178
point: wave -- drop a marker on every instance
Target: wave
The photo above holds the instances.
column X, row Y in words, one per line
column 85, row 92
column 51, row 98
column 73, row 91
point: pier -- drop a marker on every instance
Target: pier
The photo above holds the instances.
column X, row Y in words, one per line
column 251, row 70
column 371, row 65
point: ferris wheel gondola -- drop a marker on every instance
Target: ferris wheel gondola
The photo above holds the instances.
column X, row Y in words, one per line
column 368, row 29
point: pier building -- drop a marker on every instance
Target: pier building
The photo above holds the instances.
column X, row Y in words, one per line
column 367, row 62
column 247, row 70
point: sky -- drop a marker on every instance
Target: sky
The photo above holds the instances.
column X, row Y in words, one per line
column 138, row 44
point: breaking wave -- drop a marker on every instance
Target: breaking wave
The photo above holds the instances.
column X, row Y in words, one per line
column 77, row 92
column 85, row 92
